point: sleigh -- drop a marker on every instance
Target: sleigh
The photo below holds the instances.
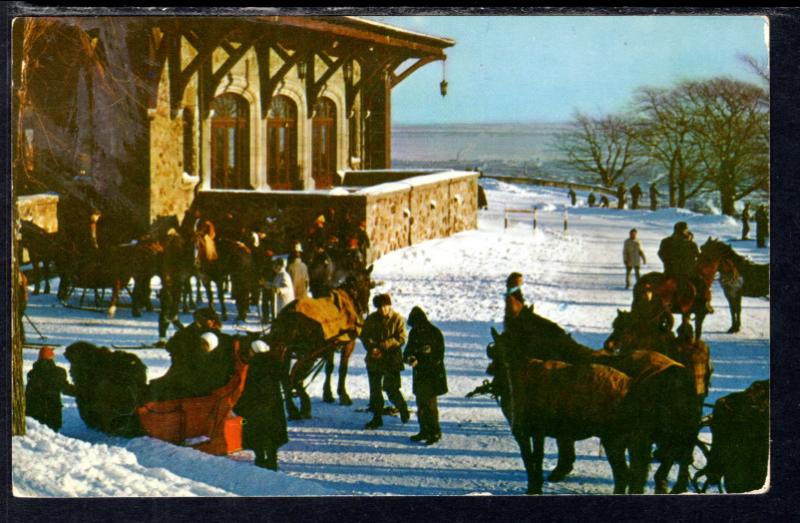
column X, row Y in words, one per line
column 205, row 423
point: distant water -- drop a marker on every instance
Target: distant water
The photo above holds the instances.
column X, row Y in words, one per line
column 513, row 143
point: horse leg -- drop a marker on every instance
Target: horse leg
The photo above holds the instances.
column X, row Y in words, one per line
column 112, row 309
column 221, row 296
column 286, row 383
column 566, row 458
column 36, row 275
column 732, row 309
column 682, row 483
column 661, row 474
column 327, row 394
column 640, row 464
column 46, row 270
column 615, row 452
column 738, row 309
column 344, row 363
column 533, row 471
column 698, row 324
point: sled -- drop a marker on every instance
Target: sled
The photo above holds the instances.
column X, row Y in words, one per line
column 205, row 423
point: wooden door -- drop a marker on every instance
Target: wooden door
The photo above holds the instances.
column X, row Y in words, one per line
column 230, row 143
column 323, row 167
column 282, row 145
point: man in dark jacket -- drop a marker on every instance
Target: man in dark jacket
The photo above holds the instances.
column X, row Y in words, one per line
column 383, row 336
column 762, row 226
column 187, row 357
column 653, row 197
column 679, row 254
column 261, row 406
column 46, row 382
column 746, row 221
column 425, row 353
column 636, row 193
column 620, row 196
column 591, row 199
column 573, row 197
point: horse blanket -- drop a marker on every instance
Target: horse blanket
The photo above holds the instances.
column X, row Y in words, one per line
column 336, row 314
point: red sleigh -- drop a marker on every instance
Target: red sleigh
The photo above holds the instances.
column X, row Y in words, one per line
column 206, row 423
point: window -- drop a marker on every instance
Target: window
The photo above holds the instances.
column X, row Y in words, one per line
column 230, row 143
column 282, row 172
column 323, row 153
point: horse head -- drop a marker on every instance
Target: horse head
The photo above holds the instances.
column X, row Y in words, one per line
column 359, row 284
column 632, row 331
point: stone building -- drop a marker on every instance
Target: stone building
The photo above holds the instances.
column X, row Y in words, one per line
column 145, row 116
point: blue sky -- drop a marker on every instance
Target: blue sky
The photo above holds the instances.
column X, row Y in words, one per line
column 543, row 68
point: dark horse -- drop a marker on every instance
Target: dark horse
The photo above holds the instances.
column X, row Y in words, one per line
column 660, row 295
column 42, row 247
column 312, row 328
column 632, row 333
column 219, row 259
column 569, row 402
column 738, row 277
column 658, row 385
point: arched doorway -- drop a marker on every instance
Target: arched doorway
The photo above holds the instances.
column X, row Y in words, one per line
column 323, row 165
column 230, row 143
column 282, row 144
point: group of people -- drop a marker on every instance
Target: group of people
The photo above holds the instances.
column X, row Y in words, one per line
column 636, row 193
column 762, row 224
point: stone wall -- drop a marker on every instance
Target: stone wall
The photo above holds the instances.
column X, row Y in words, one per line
column 41, row 209
column 398, row 213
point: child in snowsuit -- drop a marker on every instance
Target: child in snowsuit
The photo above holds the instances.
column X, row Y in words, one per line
column 261, row 406
column 46, row 382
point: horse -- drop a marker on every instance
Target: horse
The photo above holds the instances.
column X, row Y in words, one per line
column 662, row 295
column 109, row 386
column 308, row 329
column 571, row 402
column 739, row 454
column 42, row 247
column 738, row 277
column 632, row 333
column 660, row 387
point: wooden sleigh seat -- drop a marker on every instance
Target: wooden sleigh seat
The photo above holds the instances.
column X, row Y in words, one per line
column 206, row 423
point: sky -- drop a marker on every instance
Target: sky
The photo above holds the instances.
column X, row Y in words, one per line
column 543, row 68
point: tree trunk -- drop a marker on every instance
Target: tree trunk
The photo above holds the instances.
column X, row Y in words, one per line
column 671, row 182
column 727, row 201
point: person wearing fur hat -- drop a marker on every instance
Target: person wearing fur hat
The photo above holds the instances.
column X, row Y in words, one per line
column 46, row 382
column 261, row 406
column 425, row 353
column 383, row 336
column 281, row 285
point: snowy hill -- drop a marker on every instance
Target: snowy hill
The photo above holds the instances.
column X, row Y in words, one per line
column 575, row 279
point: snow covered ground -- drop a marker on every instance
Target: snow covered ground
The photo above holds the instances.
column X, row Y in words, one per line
column 575, row 279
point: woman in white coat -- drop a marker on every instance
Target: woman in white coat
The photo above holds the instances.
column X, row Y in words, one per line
column 282, row 285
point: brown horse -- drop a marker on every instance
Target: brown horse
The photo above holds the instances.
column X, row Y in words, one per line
column 634, row 333
column 312, row 328
column 42, row 247
column 738, row 277
column 661, row 295
column 568, row 402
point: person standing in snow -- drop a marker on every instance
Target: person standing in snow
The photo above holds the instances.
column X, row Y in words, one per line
column 632, row 257
column 654, row 194
column 298, row 271
column 281, row 285
column 746, row 221
column 620, row 196
column 46, row 382
column 573, row 198
column 425, row 353
column 383, row 336
column 762, row 226
column 604, row 203
column 513, row 284
column 591, row 199
column 261, row 406
column 636, row 193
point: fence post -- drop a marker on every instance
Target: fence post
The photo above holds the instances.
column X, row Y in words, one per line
column 534, row 218
column 566, row 220
column 505, row 219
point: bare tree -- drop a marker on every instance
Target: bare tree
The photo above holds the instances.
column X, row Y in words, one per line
column 665, row 132
column 601, row 146
column 731, row 129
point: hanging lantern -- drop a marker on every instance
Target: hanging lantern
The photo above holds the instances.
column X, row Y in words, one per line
column 443, row 83
column 301, row 69
column 347, row 71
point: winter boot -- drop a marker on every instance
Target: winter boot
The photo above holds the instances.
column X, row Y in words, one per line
column 374, row 423
column 433, row 438
column 419, row 437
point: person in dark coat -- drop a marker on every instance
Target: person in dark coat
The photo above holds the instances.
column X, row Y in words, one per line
column 573, row 198
column 636, row 193
column 187, row 357
column 679, row 254
column 383, row 336
column 261, row 406
column 654, row 194
column 762, row 226
column 513, row 284
column 320, row 273
column 425, row 353
column 482, row 201
column 746, row 221
column 604, row 202
column 591, row 199
column 46, row 382
column 620, row 196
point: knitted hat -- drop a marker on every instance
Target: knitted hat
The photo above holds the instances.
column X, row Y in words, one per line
column 259, row 347
column 211, row 341
column 46, row 353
